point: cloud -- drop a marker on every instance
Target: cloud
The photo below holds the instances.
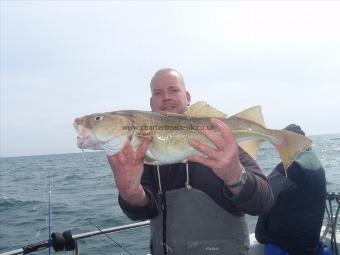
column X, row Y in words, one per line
column 60, row 60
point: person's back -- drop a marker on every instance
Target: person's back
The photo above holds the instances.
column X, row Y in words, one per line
column 295, row 220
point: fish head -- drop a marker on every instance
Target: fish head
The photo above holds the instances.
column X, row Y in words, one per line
column 103, row 131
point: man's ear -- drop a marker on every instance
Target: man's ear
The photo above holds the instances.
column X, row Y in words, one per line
column 151, row 103
column 188, row 97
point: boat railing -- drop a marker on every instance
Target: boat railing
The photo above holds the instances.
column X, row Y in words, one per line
column 332, row 217
column 67, row 242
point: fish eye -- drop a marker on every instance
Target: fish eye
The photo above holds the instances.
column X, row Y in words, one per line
column 99, row 118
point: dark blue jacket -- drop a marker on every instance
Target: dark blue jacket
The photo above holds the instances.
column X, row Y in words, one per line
column 295, row 220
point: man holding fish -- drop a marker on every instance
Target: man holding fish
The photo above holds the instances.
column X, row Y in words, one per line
column 195, row 184
column 205, row 227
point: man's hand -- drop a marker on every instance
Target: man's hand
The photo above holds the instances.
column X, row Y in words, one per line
column 127, row 169
column 224, row 160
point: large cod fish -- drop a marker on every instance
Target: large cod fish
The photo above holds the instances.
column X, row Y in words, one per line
column 111, row 130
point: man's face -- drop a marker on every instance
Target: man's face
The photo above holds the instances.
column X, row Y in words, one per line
column 168, row 93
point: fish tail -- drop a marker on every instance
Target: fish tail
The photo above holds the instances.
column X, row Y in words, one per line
column 290, row 145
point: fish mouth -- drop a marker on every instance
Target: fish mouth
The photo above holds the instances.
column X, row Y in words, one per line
column 84, row 136
column 81, row 130
column 82, row 141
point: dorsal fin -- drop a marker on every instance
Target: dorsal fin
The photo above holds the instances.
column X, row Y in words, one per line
column 253, row 113
column 202, row 109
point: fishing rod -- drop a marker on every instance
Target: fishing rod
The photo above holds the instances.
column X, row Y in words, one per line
column 49, row 212
column 120, row 246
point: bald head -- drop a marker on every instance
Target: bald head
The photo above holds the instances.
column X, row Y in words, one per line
column 168, row 92
column 166, row 73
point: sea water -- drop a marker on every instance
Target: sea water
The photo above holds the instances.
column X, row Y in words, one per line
column 83, row 191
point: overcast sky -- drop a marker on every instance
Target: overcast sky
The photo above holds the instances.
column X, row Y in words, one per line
column 64, row 59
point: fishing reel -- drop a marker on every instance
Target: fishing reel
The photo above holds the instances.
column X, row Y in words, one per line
column 63, row 241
